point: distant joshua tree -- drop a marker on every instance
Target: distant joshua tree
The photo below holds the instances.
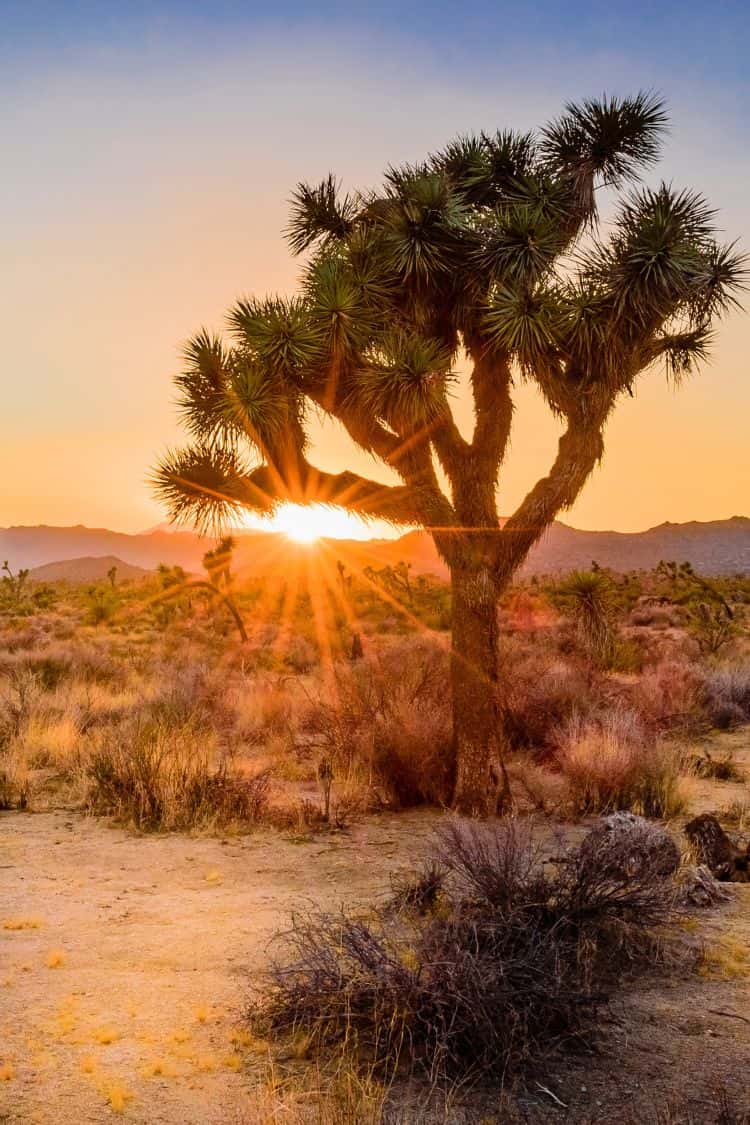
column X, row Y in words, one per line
column 589, row 593
column 488, row 251
column 218, row 562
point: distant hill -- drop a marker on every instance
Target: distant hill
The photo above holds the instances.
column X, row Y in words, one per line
column 717, row 547
column 87, row 569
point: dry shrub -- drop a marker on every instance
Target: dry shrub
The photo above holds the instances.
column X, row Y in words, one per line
column 14, row 783
column 411, row 752
column 725, row 694
column 612, row 764
column 667, row 695
column 387, row 722
column 542, row 788
column 19, row 692
column 163, row 779
column 49, row 740
column 542, row 693
column 262, row 709
column 515, row 956
column 316, row 1097
column 190, row 693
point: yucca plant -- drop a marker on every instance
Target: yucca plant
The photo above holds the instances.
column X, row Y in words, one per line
column 589, row 595
column 488, row 251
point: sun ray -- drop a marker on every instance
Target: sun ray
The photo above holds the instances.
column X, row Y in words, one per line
column 306, row 523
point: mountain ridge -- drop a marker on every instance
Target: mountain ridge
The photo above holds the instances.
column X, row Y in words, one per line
column 713, row 547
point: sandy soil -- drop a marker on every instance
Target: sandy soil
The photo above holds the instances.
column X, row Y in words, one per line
column 125, row 961
column 159, row 939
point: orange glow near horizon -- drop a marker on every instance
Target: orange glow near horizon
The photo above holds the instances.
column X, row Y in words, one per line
column 306, row 523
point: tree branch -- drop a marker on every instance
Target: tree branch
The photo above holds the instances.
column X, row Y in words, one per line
column 408, row 454
column 493, row 407
column 310, row 485
column 579, row 450
column 450, row 446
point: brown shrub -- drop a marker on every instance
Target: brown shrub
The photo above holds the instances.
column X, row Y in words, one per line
column 541, row 693
column 667, row 695
column 612, row 764
column 386, row 721
column 162, row 778
column 503, row 957
column 411, row 752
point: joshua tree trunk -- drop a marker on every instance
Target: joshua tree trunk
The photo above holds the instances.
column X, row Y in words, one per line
column 481, row 786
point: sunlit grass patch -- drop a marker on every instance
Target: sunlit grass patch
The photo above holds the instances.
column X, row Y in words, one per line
column 116, row 1094
column 241, row 1037
column 726, row 959
column 158, row 1068
column 106, row 1035
column 21, row 924
column 206, row 1064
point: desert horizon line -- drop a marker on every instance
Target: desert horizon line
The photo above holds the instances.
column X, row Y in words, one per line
column 399, row 533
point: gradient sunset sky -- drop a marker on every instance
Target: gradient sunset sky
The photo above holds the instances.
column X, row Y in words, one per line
column 148, row 150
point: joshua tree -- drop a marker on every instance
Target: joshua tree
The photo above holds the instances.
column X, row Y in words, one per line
column 218, row 562
column 589, row 592
column 13, row 585
column 487, row 252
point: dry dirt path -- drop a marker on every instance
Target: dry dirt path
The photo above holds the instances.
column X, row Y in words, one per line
column 142, row 952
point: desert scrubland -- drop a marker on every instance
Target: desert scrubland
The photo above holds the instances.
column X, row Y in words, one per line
column 175, row 796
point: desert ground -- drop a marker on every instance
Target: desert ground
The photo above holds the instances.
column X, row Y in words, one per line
column 125, row 981
column 144, row 892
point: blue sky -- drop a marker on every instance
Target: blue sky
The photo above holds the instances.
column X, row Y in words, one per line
column 149, row 148
column 706, row 40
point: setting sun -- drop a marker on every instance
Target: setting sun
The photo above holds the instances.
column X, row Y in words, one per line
column 305, row 523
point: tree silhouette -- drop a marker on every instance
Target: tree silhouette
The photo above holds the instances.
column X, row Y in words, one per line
column 489, row 251
column 218, row 562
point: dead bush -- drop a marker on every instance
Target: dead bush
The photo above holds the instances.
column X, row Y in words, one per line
column 164, row 780
column 667, row 695
column 387, row 721
column 722, row 768
column 612, row 764
column 725, row 695
column 516, row 956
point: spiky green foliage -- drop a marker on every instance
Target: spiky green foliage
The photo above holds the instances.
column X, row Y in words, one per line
column 489, row 248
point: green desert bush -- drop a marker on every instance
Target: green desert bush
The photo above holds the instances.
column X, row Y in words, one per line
column 505, row 957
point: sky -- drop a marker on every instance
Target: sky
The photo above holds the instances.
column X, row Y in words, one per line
column 148, row 153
